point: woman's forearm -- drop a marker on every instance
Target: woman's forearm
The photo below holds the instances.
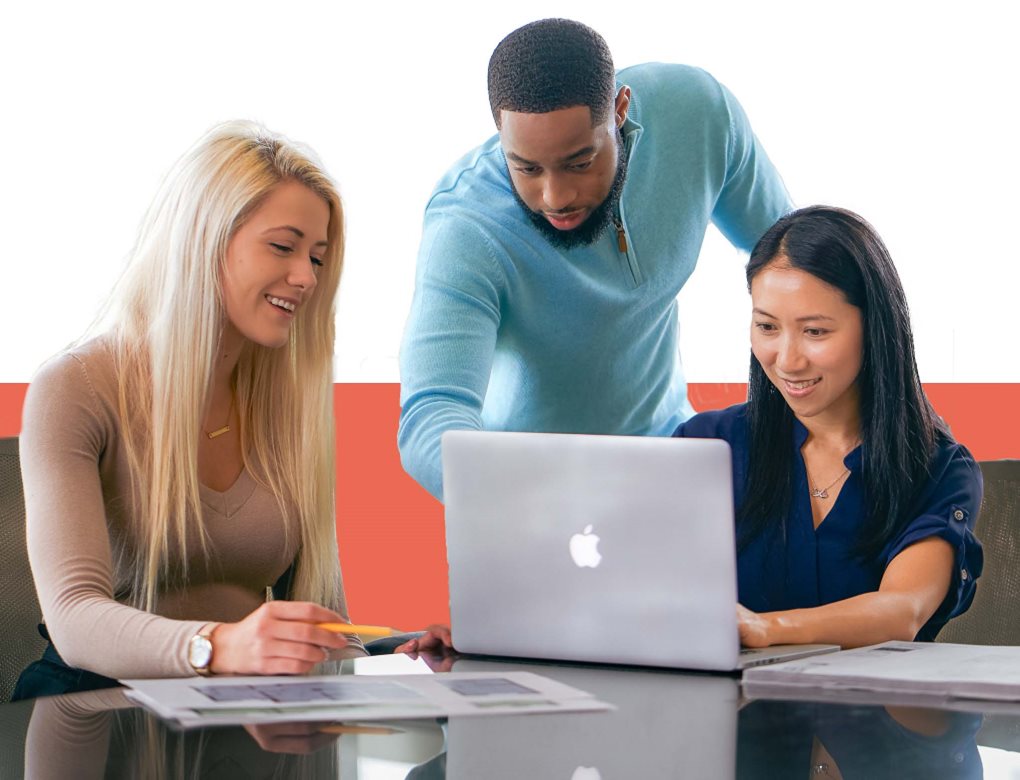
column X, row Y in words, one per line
column 915, row 583
column 866, row 619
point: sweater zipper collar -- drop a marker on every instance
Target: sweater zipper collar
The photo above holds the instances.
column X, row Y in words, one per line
column 621, row 234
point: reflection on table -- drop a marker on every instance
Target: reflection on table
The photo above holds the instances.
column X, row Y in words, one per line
column 666, row 724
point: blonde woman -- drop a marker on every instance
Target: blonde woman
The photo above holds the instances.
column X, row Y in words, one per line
column 180, row 463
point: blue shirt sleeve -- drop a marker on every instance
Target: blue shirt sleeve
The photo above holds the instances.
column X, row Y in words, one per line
column 449, row 342
column 729, row 424
column 948, row 509
column 753, row 193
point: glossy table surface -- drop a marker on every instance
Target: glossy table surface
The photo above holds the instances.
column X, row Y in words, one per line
column 665, row 724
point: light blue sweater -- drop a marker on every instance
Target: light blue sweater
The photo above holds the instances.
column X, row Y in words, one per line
column 507, row 332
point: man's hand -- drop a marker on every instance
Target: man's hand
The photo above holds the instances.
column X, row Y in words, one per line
column 435, row 648
column 437, row 639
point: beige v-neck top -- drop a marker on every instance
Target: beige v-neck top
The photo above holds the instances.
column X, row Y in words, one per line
column 81, row 539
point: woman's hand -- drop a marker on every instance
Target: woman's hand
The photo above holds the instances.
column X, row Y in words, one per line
column 754, row 628
column 293, row 738
column 280, row 637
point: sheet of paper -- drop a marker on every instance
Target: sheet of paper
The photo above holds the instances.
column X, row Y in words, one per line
column 948, row 670
column 774, row 692
column 202, row 701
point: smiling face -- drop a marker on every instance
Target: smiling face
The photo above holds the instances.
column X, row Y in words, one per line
column 564, row 170
column 809, row 340
column 272, row 263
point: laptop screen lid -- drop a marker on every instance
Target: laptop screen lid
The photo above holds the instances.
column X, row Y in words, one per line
column 611, row 549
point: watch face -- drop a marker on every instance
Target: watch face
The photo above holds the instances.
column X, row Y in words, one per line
column 200, row 652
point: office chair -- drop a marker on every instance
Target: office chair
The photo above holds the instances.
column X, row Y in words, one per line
column 20, row 643
column 994, row 617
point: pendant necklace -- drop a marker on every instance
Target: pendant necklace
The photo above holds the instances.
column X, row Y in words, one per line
column 824, row 492
column 226, row 428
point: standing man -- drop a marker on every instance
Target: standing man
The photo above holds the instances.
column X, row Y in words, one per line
column 552, row 255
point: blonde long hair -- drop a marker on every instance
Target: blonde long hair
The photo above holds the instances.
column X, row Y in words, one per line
column 166, row 316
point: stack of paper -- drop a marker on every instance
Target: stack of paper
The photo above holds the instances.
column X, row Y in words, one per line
column 203, row 701
column 944, row 670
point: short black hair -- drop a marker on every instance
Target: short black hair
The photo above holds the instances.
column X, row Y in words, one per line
column 552, row 64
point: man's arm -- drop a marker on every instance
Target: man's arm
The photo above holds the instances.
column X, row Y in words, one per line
column 449, row 342
column 753, row 195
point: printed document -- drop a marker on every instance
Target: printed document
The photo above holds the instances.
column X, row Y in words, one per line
column 203, row 701
column 946, row 670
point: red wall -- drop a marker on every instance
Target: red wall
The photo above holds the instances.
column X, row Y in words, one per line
column 392, row 548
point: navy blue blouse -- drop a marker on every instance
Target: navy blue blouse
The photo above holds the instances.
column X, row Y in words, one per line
column 811, row 567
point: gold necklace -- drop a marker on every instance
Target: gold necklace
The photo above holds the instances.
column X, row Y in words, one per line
column 824, row 492
column 226, row 427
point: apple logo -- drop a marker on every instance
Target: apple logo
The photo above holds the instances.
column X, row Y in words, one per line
column 586, row 772
column 584, row 551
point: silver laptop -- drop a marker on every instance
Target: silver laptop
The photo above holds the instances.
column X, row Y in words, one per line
column 608, row 549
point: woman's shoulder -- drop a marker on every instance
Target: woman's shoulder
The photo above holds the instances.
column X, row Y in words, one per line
column 952, row 489
column 80, row 376
column 94, row 357
column 948, row 449
column 953, row 466
column 729, row 424
column 952, row 460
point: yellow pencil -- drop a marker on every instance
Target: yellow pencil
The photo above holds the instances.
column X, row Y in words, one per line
column 351, row 628
column 344, row 728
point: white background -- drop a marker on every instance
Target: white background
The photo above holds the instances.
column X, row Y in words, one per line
column 904, row 112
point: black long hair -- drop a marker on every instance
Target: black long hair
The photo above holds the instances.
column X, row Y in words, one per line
column 899, row 428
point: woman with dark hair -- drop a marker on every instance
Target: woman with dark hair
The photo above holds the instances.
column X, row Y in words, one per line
column 855, row 506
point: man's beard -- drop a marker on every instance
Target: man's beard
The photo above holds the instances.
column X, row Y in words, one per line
column 596, row 223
